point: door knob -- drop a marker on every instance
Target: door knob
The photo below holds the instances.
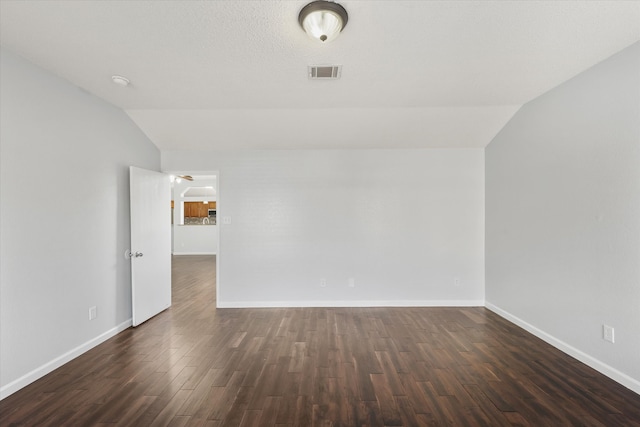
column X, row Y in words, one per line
column 138, row 254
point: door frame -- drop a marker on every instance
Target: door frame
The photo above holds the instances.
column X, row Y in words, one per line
column 218, row 216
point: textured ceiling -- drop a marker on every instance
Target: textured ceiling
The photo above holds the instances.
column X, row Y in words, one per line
column 233, row 74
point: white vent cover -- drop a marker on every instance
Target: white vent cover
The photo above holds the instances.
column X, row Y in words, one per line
column 325, row 71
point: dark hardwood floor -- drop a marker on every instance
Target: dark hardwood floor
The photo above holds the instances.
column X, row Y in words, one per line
column 195, row 365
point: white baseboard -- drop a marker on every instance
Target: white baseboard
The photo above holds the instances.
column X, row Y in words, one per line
column 624, row 379
column 401, row 303
column 54, row 364
column 193, row 253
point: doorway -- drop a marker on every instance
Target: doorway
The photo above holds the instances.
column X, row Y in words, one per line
column 195, row 229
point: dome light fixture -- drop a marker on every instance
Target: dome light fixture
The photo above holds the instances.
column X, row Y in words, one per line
column 121, row 81
column 323, row 20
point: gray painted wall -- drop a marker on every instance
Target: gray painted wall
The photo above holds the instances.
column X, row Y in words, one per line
column 64, row 219
column 563, row 216
column 402, row 223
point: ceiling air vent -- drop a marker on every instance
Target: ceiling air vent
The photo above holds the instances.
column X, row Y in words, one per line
column 325, row 72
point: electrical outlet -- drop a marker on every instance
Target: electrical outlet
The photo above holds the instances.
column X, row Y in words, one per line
column 93, row 312
column 608, row 333
column 323, row 283
column 352, row 282
column 226, row 220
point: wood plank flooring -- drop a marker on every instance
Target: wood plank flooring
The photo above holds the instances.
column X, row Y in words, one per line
column 194, row 365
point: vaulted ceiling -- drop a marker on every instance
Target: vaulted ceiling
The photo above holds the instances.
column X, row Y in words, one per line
column 233, row 74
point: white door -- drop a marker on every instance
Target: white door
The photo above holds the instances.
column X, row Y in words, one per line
column 150, row 243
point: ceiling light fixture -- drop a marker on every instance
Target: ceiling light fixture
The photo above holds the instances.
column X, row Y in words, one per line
column 323, row 20
column 119, row 80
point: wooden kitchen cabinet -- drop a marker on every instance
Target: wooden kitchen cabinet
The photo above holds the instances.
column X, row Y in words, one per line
column 187, row 209
column 198, row 209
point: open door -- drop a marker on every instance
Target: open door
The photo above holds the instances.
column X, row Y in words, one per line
column 150, row 243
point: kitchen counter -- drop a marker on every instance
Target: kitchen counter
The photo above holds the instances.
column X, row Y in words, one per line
column 199, row 221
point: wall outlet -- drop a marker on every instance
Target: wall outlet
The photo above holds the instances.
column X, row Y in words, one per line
column 226, row 220
column 352, row 282
column 456, row 281
column 323, row 283
column 93, row 312
column 608, row 333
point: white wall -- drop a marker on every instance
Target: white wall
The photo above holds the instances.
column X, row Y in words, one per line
column 195, row 239
column 64, row 219
column 563, row 216
column 402, row 223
